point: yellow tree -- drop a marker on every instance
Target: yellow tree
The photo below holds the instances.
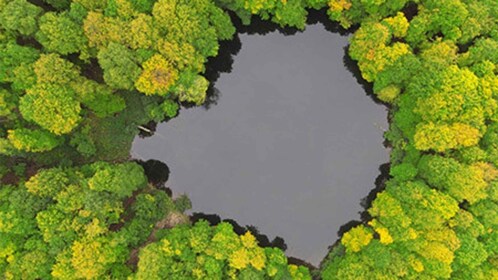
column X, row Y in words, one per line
column 157, row 76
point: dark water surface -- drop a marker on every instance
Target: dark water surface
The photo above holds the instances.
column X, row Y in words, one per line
column 291, row 147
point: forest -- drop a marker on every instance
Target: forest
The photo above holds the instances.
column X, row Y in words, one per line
column 78, row 78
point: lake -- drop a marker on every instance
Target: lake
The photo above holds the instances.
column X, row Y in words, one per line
column 292, row 144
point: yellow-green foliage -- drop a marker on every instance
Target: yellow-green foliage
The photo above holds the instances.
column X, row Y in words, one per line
column 205, row 252
column 435, row 219
column 389, row 94
column 397, row 24
column 32, row 140
column 52, row 107
column 53, row 61
column 66, row 218
column 81, row 75
column 369, row 46
column 356, row 238
column 157, row 76
column 444, row 137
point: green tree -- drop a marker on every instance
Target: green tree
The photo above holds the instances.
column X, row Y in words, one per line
column 20, row 16
column 59, row 33
column 97, row 97
column 120, row 68
column 191, row 88
column 52, row 107
column 27, row 140
column 121, row 179
column 51, row 68
column 47, row 183
column 460, row 181
column 201, row 251
column 14, row 56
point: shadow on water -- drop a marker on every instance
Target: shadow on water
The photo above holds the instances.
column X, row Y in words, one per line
column 263, row 27
column 320, row 16
column 157, row 173
column 366, row 203
column 228, row 49
column 222, row 63
column 353, row 67
column 260, row 27
column 263, row 240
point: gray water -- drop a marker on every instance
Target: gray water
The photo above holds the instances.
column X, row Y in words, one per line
column 292, row 146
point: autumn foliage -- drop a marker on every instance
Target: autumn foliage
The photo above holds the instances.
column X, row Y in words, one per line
column 78, row 77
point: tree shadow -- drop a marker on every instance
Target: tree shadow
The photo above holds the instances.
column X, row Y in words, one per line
column 157, row 173
column 42, row 4
column 260, row 26
column 222, row 63
column 366, row 203
column 353, row 68
column 263, row 240
column 228, row 49
column 320, row 16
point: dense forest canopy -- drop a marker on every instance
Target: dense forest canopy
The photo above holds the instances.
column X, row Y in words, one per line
column 78, row 77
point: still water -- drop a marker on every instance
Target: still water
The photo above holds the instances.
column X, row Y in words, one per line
column 292, row 145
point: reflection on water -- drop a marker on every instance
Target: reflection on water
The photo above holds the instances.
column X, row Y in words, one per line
column 291, row 142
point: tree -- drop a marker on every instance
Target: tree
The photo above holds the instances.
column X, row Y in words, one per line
column 121, row 179
column 59, row 33
column 47, row 183
column 398, row 25
column 397, row 228
column 157, row 76
column 440, row 54
column 97, row 97
column 93, row 258
column 290, row 13
column 82, row 141
column 51, row 68
column 369, row 46
column 460, row 181
column 442, row 137
column 470, row 255
column 14, row 56
column 27, row 140
column 204, row 252
column 59, row 4
column 480, row 51
column 20, row 16
column 33, row 263
column 349, row 12
column 221, row 22
column 7, row 103
column 119, row 65
column 143, row 6
column 143, row 33
column 191, row 88
column 356, row 238
column 182, row 56
column 446, row 102
column 52, row 107
column 442, row 18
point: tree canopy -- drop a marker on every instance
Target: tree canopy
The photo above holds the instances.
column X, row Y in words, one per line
column 78, row 77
